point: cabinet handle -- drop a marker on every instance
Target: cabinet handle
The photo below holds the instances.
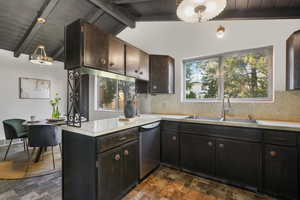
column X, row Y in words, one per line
column 221, row 145
column 210, row 144
column 141, row 73
column 174, row 138
column 111, row 64
column 273, row 153
column 126, row 152
column 117, row 157
column 136, row 71
column 122, row 138
column 154, row 87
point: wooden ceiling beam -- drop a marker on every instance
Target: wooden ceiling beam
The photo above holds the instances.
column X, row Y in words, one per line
column 129, row 1
column 237, row 14
column 91, row 19
column 44, row 12
column 259, row 14
column 115, row 12
column 160, row 17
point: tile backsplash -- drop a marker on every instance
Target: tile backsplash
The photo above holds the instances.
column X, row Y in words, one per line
column 286, row 107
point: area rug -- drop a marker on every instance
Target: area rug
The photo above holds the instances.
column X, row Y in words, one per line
column 17, row 165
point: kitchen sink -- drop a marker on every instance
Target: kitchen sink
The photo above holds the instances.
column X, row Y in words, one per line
column 218, row 119
column 205, row 118
column 241, row 120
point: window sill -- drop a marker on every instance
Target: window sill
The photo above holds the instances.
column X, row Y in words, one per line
column 231, row 101
column 109, row 111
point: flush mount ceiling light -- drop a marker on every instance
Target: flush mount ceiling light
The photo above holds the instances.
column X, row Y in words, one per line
column 194, row 11
column 40, row 57
column 220, row 32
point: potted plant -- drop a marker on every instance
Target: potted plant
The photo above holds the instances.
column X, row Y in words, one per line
column 54, row 103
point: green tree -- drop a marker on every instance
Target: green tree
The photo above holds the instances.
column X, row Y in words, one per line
column 246, row 76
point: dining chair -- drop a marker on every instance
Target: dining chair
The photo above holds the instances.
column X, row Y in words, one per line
column 14, row 129
column 44, row 136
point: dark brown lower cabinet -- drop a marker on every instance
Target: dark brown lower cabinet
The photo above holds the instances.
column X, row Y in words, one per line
column 238, row 162
column 198, row 154
column 280, row 171
column 118, row 171
column 130, row 153
column 110, row 174
column 170, row 148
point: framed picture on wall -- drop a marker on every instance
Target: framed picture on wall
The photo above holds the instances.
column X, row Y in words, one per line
column 31, row 88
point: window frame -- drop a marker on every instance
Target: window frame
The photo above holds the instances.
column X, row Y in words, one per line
column 96, row 92
column 220, row 78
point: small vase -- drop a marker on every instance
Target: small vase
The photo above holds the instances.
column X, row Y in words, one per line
column 53, row 112
column 57, row 113
column 129, row 109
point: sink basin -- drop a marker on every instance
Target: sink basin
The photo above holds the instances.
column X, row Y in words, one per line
column 204, row 118
column 241, row 120
column 218, row 119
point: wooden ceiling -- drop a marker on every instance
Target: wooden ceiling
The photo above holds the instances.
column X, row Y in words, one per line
column 20, row 33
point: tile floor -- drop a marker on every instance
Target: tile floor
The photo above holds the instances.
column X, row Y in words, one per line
column 170, row 184
column 164, row 184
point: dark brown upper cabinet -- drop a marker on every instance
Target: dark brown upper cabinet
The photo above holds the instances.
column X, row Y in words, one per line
column 85, row 45
column 137, row 63
column 293, row 62
column 116, row 55
column 162, row 74
column 143, row 71
column 132, row 61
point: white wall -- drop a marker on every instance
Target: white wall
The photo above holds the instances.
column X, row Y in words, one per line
column 183, row 40
column 11, row 69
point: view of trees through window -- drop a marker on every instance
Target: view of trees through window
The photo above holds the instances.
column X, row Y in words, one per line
column 244, row 74
column 112, row 93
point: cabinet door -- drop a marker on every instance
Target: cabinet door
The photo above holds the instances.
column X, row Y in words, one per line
column 116, row 56
column 158, row 71
column 281, row 171
column 132, row 61
column 171, row 75
column 95, row 47
column 293, row 62
column 197, row 153
column 170, row 148
column 110, row 175
column 161, row 74
column 238, row 162
column 144, row 66
column 130, row 153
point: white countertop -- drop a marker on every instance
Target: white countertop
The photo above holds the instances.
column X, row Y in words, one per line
column 105, row 126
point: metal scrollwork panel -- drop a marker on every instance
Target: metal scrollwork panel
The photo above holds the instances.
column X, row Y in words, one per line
column 73, row 99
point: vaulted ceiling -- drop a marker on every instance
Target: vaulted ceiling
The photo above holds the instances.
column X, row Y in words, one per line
column 20, row 32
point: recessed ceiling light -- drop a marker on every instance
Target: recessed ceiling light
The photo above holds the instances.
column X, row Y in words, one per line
column 41, row 20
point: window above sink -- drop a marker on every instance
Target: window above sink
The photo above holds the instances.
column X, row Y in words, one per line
column 244, row 76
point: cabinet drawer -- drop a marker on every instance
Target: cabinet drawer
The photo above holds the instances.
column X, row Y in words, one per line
column 280, row 137
column 239, row 133
column 195, row 128
column 116, row 139
column 168, row 125
column 247, row 134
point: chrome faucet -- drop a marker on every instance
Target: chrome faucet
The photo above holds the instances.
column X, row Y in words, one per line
column 225, row 107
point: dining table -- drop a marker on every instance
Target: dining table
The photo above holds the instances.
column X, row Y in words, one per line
column 43, row 122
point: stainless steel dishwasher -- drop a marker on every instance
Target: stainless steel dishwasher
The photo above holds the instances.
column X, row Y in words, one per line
column 149, row 148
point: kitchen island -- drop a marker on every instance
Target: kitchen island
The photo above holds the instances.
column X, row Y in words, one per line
column 101, row 159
